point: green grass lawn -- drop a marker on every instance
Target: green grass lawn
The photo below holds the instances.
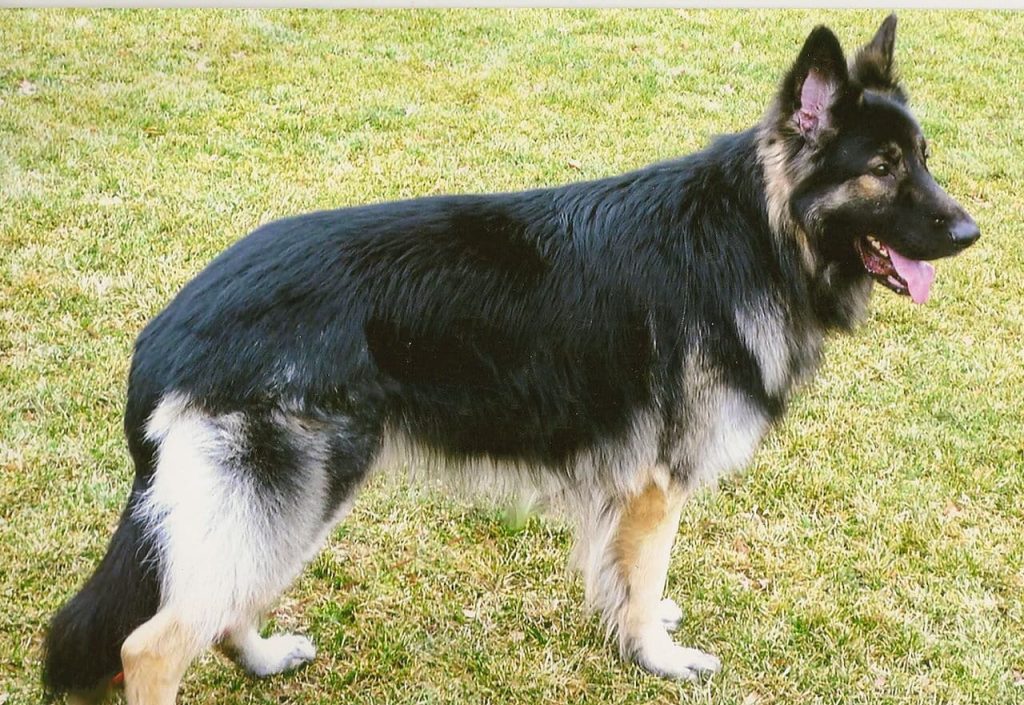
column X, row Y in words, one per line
column 874, row 553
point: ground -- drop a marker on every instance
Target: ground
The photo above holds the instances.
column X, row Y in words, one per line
column 871, row 554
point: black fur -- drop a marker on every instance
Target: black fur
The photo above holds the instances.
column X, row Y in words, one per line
column 418, row 309
column 528, row 326
column 84, row 639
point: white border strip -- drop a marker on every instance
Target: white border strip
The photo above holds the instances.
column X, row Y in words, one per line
column 322, row 4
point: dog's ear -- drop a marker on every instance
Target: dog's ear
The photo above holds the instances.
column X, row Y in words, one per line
column 816, row 87
column 873, row 65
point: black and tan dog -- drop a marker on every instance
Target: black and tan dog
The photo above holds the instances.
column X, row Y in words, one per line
column 613, row 345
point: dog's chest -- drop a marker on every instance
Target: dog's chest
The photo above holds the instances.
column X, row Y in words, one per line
column 724, row 412
column 726, row 430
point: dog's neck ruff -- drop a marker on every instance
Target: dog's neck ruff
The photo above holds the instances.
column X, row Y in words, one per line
column 839, row 301
column 778, row 182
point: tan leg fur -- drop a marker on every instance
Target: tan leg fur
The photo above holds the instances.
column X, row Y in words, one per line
column 155, row 657
column 642, row 547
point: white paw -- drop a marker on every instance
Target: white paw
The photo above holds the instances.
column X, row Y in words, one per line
column 670, row 613
column 659, row 655
column 277, row 654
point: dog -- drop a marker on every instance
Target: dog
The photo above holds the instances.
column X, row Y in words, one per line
column 613, row 345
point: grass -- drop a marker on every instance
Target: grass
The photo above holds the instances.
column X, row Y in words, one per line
column 873, row 552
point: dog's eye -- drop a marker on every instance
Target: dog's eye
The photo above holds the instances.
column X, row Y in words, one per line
column 881, row 169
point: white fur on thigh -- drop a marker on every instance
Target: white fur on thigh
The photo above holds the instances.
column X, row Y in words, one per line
column 228, row 548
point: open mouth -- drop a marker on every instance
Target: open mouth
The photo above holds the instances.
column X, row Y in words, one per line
column 905, row 276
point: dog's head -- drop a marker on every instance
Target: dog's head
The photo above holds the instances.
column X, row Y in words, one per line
column 847, row 163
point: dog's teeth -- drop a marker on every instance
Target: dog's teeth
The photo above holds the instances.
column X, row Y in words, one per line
column 878, row 246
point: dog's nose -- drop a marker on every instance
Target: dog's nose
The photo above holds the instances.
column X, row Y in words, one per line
column 964, row 231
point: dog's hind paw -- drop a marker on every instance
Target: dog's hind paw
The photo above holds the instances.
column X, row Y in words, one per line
column 670, row 613
column 277, row 654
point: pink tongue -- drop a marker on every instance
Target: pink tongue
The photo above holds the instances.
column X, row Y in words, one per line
column 918, row 275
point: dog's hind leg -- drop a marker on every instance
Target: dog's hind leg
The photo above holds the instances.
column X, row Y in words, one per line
column 155, row 657
column 238, row 504
column 625, row 547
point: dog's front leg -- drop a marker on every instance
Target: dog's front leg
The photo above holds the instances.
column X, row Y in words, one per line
column 624, row 554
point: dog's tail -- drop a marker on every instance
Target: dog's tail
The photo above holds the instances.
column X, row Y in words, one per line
column 83, row 646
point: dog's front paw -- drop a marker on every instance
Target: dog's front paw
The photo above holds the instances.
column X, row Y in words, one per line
column 659, row 655
column 670, row 613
